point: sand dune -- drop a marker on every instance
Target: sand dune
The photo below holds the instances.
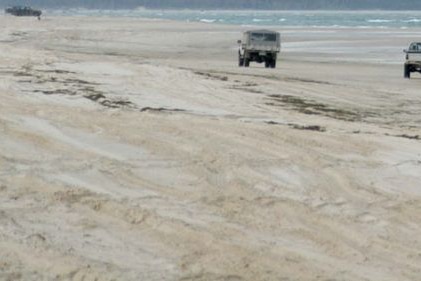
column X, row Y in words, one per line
column 138, row 150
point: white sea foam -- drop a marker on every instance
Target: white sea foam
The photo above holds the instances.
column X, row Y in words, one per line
column 207, row 20
column 379, row 21
column 412, row 20
column 261, row 20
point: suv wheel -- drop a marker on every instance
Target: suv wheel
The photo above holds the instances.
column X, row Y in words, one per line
column 240, row 61
column 407, row 72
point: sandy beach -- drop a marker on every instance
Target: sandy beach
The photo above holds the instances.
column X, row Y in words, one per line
column 136, row 149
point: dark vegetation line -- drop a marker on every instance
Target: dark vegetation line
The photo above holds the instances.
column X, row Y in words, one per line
column 225, row 4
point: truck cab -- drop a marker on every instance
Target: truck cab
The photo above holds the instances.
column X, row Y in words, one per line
column 259, row 46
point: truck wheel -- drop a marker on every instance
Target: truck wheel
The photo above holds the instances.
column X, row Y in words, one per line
column 407, row 72
column 267, row 63
column 240, row 62
column 246, row 62
column 273, row 64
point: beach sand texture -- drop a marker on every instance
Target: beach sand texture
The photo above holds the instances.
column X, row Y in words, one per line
column 138, row 150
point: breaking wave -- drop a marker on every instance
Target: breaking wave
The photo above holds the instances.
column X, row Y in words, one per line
column 379, row 21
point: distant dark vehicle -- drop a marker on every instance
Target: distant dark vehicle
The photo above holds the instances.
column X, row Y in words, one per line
column 20, row 11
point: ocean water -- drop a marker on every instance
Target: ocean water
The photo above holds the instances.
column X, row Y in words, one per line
column 360, row 19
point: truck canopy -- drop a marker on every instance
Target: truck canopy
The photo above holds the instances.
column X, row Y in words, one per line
column 261, row 35
column 264, row 40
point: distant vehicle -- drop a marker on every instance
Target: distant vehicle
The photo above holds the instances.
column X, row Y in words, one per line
column 22, row 11
column 259, row 46
column 413, row 59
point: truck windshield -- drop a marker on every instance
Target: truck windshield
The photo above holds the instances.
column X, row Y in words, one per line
column 268, row 37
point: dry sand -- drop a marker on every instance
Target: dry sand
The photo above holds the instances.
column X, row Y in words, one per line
column 137, row 150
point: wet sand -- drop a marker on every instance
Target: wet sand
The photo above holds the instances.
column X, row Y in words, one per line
column 138, row 150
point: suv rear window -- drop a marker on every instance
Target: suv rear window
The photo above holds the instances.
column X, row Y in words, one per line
column 415, row 47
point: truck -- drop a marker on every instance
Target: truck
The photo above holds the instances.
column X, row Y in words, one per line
column 22, row 11
column 259, row 46
column 413, row 59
